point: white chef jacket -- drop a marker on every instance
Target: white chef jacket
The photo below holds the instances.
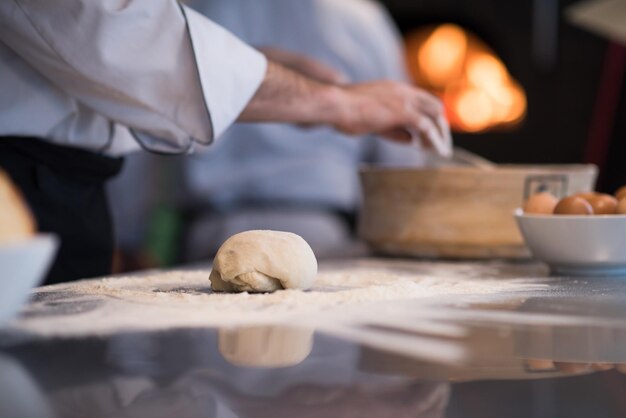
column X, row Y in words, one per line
column 282, row 164
column 107, row 75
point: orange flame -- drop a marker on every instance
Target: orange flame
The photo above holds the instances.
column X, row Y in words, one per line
column 476, row 88
column 441, row 56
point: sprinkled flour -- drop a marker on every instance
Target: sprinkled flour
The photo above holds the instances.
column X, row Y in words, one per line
column 183, row 298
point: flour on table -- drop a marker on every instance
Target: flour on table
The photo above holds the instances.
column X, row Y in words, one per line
column 343, row 291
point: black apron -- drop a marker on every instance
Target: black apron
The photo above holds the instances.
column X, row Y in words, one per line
column 64, row 188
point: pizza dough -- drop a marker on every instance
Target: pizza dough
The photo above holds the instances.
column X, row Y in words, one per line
column 16, row 221
column 263, row 261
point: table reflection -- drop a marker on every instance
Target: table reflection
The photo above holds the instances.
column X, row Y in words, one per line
column 284, row 371
column 208, row 373
column 20, row 396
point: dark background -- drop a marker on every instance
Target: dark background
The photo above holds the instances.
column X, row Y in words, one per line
column 561, row 91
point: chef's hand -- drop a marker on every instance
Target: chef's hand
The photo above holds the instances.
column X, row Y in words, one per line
column 305, row 65
column 394, row 110
column 398, row 111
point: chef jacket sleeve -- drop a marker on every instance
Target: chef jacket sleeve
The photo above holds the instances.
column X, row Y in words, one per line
column 169, row 74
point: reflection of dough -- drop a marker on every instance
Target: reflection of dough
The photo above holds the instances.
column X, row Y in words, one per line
column 265, row 346
column 263, row 261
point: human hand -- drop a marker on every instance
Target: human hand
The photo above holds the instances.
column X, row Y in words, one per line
column 397, row 111
column 305, row 65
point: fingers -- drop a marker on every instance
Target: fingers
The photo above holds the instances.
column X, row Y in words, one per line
column 432, row 136
column 444, row 128
column 428, row 103
column 430, row 111
column 397, row 111
column 398, row 135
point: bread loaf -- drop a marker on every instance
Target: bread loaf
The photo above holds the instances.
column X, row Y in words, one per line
column 16, row 220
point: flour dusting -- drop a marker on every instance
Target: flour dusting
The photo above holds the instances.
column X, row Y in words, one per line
column 183, row 298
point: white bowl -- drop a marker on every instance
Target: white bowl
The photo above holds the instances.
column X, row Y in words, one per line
column 23, row 266
column 576, row 244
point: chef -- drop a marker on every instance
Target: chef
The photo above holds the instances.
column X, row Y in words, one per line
column 277, row 176
column 85, row 82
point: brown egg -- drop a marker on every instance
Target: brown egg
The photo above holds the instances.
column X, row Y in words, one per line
column 586, row 195
column 573, row 205
column 620, row 193
column 540, row 203
column 537, row 365
column 621, row 207
column 602, row 366
column 569, row 367
column 603, row 204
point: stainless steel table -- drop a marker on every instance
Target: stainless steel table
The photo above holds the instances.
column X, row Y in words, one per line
column 558, row 350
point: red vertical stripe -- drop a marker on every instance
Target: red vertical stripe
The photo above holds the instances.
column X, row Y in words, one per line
column 607, row 101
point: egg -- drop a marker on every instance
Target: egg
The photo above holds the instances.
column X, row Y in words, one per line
column 587, row 195
column 621, row 207
column 603, row 204
column 573, row 205
column 620, row 193
column 540, row 203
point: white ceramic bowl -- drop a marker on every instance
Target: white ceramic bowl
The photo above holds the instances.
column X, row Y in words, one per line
column 23, row 266
column 576, row 244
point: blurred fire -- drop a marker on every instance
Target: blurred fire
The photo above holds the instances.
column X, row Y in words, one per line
column 475, row 86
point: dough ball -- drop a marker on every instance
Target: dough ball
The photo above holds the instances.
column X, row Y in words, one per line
column 16, row 221
column 263, row 261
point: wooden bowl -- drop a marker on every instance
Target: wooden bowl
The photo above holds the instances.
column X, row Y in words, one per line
column 457, row 212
